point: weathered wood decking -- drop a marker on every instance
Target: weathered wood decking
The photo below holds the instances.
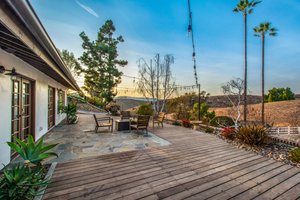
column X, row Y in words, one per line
column 195, row 166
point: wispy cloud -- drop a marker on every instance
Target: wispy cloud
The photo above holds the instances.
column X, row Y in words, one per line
column 87, row 9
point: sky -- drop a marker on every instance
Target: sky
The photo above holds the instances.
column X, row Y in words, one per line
column 160, row 26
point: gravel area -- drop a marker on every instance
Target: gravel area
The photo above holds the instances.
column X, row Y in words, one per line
column 276, row 150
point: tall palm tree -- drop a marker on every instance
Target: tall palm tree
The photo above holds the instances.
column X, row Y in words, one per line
column 261, row 31
column 246, row 7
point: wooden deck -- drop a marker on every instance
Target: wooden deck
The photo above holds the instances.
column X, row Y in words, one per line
column 195, row 166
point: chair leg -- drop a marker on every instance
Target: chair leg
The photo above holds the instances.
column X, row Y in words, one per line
column 96, row 129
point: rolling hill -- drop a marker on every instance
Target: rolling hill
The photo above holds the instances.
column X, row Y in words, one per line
column 281, row 113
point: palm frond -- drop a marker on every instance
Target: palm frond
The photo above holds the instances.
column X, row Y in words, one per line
column 273, row 34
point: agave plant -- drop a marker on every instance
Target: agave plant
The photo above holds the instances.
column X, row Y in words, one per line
column 21, row 183
column 32, row 152
column 253, row 135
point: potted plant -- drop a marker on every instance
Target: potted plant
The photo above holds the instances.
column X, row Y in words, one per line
column 71, row 110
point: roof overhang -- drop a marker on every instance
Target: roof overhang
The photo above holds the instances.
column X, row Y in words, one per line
column 22, row 34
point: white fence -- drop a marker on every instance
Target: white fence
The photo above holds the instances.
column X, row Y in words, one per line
column 284, row 130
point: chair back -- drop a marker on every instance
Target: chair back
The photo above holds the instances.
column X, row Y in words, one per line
column 161, row 116
column 143, row 121
column 125, row 115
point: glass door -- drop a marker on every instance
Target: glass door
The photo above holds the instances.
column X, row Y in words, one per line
column 21, row 110
column 26, row 109
column 51, row 107
column 16, row 104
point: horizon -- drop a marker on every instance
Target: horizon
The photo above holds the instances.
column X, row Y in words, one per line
column 161, row 27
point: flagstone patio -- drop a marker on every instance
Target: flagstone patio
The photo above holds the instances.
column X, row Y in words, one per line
column 79, row 140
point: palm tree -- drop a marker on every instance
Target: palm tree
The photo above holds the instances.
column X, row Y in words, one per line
column 246, row 7
column 261, row 31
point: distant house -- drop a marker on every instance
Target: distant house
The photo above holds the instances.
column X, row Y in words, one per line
column 33, row 77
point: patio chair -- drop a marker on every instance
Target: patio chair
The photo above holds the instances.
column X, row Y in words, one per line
column 159, row 119
column 103, row 122
column 125, row 115
column 141, row 123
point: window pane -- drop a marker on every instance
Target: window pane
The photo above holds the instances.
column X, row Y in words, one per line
column 25, row 121
column 25, row 99
column 16, row 86
column 25, row 88
column 26, row 110
column 16, row 99
column 15, row 112
column 26, row 133
column 16, row 126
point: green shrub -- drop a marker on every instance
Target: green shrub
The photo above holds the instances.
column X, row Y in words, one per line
column 96, row 101
column 145, row 109
column 294, row 155
column 113, row 108
column 70, row 110
column 176, row 123
column 205, row 115
column 253, row 135
column 279, row 94
column 209, row 130
column 21, row 183
column 32, row 152
column 221, row 121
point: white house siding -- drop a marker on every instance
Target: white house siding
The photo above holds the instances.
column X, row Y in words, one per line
column 42, row 81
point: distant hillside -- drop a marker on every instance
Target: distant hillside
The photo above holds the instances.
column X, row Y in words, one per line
column 222, row 101
column 130, row 102
column 297, row 96
column 281, row 113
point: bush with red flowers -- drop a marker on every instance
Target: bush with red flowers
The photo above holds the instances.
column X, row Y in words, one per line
column 228, row 133
column 186, row 123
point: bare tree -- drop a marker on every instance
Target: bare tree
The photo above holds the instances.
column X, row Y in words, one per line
column 234, row 89
column 155, row 80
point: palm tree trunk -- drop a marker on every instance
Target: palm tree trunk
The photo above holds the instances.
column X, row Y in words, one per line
column 263, row 81
column 245, row 69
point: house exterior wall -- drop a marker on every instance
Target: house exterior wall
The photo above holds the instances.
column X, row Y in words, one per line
column 42, row 82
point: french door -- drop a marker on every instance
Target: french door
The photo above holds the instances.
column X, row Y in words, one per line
column 22, row 108
column 51, row 107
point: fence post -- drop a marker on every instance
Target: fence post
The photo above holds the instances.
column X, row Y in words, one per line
column 289, row 130
column 298, row 130
column 278, row 130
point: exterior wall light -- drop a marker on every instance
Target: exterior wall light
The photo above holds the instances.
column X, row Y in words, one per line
column 11, row 72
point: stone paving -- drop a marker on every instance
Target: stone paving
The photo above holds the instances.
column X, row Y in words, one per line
column 79, row 140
